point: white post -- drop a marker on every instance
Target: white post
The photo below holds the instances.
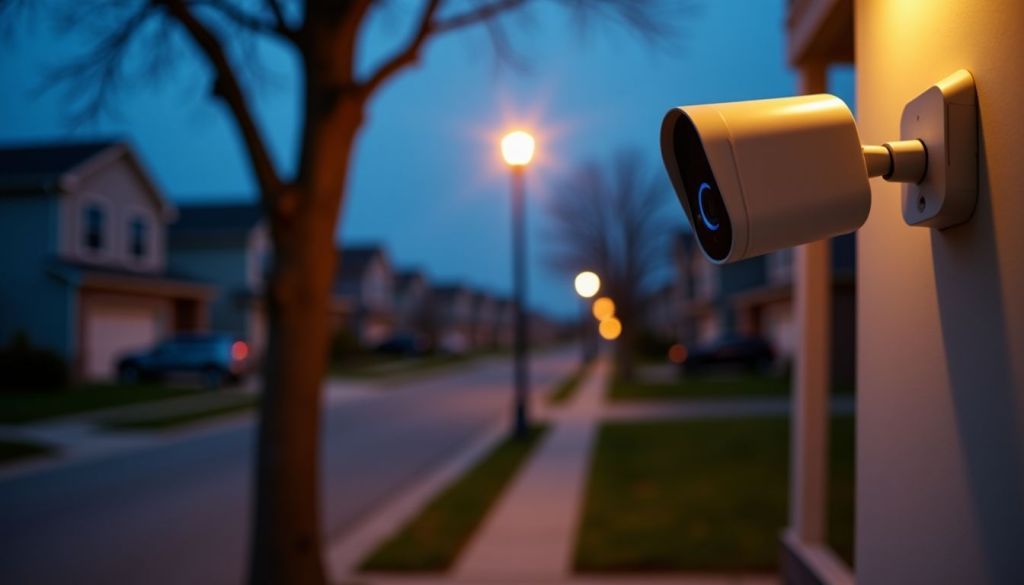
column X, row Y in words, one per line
column 812, row 297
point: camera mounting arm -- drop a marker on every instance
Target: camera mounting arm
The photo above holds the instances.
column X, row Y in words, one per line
column 937, row 158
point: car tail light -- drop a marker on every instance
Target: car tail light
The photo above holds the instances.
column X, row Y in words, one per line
column 239, row 350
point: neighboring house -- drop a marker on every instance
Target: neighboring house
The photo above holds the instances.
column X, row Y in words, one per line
column 228, row 245
column 707, row 311
column 767, row 311
column 504, row 322
column 484, row 320
column 754, row 297
column 366, row 283
column 453, row 311
column 412, row 304
column 661, row 312
column 84, row 259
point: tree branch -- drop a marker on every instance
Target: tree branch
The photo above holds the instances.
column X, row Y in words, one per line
column 249, row 20
column 408, row 54
column 428, row 27
column 228, row 88
column 471, row 17
column 275, row 9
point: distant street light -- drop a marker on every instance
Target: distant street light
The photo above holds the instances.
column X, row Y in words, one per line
column 610, row 328
column 587, row 284
column 517, row 149
column 604, row 308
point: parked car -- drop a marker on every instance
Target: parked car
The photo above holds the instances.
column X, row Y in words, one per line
column 404, row 345
column 751, row 353
column 217, row 358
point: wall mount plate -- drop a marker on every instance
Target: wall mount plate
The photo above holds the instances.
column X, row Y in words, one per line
column 945, row 118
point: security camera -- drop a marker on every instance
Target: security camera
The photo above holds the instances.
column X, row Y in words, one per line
column 758, row 176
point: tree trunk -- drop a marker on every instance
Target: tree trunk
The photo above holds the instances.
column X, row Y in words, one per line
column 286, row 545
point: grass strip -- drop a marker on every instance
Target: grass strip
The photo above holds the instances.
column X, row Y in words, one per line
column 694, row 496
column 15, row 450
column 701, row 387
column 567, row 388
column 180, row 419
column 21, row 407
column 432, row 540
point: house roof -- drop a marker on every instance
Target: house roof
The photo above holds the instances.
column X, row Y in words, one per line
column 214, row 221
column 354, row 260
column 405, row 278
column 38, row 168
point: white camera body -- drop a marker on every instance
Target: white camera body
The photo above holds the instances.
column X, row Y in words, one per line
column 762, row 175
column 759, row 176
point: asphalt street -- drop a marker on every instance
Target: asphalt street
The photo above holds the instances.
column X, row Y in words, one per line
column 179, row 513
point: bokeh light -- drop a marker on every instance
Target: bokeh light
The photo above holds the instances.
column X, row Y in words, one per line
column 587, row 284
column 604, row 308
column 517, row 148
column 610, row 328
column 677, row 353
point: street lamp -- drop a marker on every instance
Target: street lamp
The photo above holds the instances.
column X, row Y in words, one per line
column 587, row 284
column 517, row 149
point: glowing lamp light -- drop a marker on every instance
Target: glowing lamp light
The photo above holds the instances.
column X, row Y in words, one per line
column 517, row 148
column 677, row 353
column 587, row 284
column 604, row 308
column 610, row 328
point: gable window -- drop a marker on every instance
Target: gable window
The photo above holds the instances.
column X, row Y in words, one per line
column 138, row 237
column 94, row 227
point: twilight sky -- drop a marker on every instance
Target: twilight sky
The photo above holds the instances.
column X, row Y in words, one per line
column 427, row 179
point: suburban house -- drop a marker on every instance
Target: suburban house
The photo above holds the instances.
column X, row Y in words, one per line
column 365, row 282
column 484, row 320
column 84, row 260
column 754, row 297
column 412, row 304
column 228, row 245
column 453, row 311
column 707, row 309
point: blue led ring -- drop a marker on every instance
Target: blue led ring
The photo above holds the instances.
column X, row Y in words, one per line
column 703, row 215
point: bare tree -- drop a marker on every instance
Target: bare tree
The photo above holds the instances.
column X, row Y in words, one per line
column 302, row 210
column 608, row 219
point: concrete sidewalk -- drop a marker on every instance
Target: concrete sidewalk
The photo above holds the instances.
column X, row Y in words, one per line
column 530, row 535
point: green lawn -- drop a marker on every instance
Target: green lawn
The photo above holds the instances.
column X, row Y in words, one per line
column 180, row 419
column 566, row 389
column 701, row 387
column 433, row 539
column 14, row 450
column 708, row 386
column 697, row 496
column 20, row 407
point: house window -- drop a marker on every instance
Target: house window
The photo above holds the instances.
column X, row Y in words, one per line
column 94, row 224
column 138, row 234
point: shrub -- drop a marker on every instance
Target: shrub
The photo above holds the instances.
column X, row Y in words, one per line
column 23, row 367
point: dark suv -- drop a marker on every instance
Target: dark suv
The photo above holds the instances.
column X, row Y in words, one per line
column 217, row 358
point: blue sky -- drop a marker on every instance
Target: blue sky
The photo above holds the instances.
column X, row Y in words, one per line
column 427, row 179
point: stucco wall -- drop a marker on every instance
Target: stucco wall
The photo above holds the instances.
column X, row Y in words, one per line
column 940, row 437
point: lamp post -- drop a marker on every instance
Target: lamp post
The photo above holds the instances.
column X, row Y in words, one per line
column 517, row 149
column 587, row 284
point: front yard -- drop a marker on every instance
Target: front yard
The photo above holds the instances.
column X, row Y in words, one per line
column 700, row 496
column 22, row 407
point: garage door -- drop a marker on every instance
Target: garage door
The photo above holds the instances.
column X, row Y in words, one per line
column 112, row 331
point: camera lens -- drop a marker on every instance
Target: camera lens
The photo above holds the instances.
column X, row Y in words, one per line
column 708, row 206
